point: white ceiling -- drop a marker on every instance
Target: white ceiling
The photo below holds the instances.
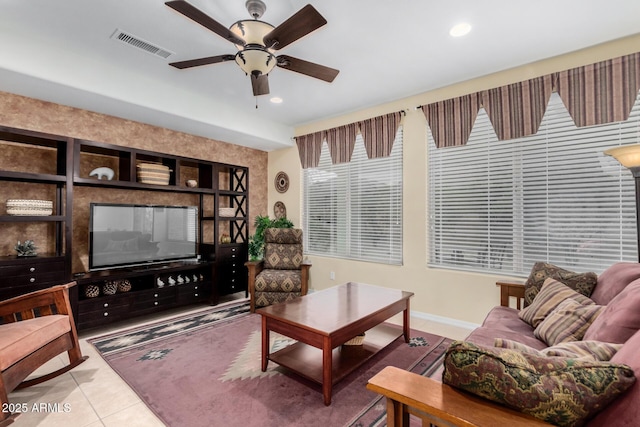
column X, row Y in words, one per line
column 61, row 51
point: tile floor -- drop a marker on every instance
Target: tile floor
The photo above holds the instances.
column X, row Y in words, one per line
column 93, row 395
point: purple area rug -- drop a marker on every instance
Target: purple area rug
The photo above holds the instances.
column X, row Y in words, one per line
column 204, row 370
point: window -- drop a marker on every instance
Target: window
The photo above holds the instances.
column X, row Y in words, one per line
column 354, row 210
column 500, row 206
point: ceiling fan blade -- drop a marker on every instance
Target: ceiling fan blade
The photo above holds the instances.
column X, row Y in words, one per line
column 205, row 20
column 260, row 84
column 202, row 61
column 300, row 24
column 308, row 68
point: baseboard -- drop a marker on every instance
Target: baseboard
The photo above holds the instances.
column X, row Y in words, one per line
column 445, row 320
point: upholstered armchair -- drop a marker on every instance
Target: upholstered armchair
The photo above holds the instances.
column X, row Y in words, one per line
column 281, row 275
column 34, row 328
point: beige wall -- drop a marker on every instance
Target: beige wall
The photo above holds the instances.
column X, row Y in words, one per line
column 462, row 296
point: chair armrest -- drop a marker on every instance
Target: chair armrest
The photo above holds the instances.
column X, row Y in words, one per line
column 434, row 402
column 253, row 269
column 511, row 289
column 37, row 303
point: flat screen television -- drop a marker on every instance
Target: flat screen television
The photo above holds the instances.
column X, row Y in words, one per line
column 127, row 235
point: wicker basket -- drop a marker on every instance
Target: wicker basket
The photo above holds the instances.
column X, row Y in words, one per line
column 152, row 173
column 357, row 340
column 29, row 207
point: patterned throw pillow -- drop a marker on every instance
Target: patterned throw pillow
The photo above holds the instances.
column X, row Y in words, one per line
column 583, row 283
column 551, row 294
column 560, row 391
column 583, row 350
column 567, row 322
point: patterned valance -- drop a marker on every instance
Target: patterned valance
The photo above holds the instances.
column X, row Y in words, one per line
column 516, row 110
column 341, row 141
column 601, row 93
column 593, row 94
column 451, row 120
column 309, row 149
column 378, row 134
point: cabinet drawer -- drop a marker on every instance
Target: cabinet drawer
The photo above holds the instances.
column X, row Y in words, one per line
column 104, row 303
column 36, row 279
column 32, row 268
column 230, row 252
column 155, row 298
column 193, row 293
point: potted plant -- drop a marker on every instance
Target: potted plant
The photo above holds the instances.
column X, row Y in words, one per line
column 256, row 241
column 28, row 248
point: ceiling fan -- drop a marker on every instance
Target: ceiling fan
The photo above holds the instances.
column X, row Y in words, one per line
column 257, row 41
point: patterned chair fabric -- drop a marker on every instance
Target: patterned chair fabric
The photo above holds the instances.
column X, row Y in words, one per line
column 283, row 248
column 282, row 275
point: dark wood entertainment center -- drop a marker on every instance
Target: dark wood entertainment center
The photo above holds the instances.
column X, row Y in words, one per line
column 219, row 271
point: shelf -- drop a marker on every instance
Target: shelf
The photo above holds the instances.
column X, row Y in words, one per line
column 60, row 167
column 32, row 218
column 307, row 360
column 92, row 182
column 42, row 178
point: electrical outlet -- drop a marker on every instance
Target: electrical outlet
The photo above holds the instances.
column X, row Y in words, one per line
column 332, row 275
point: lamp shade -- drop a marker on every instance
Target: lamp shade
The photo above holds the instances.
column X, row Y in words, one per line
column 628, row 155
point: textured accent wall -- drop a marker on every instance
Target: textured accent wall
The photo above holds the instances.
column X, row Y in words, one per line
column 28, row 113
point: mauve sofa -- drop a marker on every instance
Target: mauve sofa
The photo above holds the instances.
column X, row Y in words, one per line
column 617, row 288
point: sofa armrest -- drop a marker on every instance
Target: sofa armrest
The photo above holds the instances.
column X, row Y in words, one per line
column 440, row 404
column 511, row 289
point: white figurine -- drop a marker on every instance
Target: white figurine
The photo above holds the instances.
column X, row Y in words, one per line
column 103, row 172
column 180, row 279
column 159, row 282
column 172, row 281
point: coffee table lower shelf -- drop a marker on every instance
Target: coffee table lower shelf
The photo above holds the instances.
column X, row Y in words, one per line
column 306, row 360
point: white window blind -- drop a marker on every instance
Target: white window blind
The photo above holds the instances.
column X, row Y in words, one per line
column 500, row 206
column 354, row 210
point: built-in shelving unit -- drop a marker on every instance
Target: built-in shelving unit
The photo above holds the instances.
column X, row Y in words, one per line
column 223, row 201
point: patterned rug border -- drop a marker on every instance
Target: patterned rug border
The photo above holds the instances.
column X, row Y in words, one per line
column 115, row 342
column 426, row 371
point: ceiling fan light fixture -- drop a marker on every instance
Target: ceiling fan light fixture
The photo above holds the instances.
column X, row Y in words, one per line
column 255, row 60
column 251, row 31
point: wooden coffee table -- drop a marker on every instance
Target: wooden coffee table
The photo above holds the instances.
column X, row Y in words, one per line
column 322, row 321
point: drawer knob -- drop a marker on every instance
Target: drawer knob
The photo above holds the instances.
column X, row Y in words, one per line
column 106, row 314
column 32, row 269
column 233, row 249
column 196, row 294
column 155, row 303
column 155, row 295
column 33, row 279
column 106, row 304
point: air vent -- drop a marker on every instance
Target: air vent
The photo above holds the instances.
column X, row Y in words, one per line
column 137, row 42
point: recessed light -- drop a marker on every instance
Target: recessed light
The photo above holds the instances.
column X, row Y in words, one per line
column 276, row 100
column 460, row 29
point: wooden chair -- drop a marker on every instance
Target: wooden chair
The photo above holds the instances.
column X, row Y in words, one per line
column 35, row 328
column 282, row 275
